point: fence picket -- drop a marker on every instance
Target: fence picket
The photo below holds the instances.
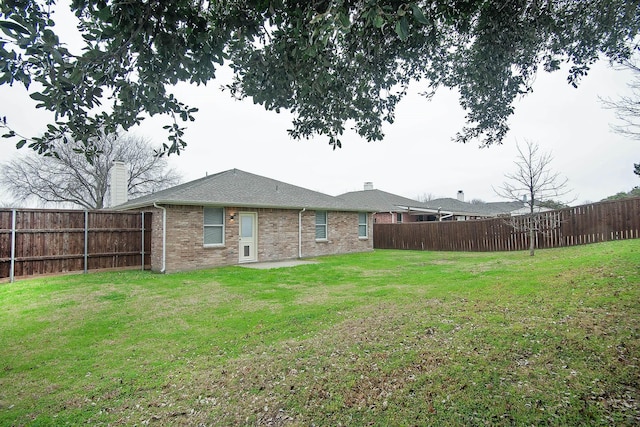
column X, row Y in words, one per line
column 50, row 241
column 610, row 220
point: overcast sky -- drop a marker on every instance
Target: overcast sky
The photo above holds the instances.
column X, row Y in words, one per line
column 417, row 155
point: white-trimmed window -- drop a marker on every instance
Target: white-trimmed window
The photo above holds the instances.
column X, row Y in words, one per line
column 213, row 226
column 321, row 225
column 363, row 225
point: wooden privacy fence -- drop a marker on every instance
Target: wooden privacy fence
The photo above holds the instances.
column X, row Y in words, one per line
column 34, row 242
column 598, row 222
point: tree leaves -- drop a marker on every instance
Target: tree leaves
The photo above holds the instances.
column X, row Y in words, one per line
column 37, row 96
column 332, row 64
column 11, row 28
column 418, row 15
column 402, row 28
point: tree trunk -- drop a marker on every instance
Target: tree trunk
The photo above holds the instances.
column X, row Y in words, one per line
column 532, row 242
column 533, row 224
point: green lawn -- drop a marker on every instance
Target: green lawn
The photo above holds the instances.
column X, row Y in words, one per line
column 384, row 338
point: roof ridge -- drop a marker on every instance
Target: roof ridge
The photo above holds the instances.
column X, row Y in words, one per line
column 236, row 187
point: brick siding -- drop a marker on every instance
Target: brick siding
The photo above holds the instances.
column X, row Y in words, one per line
column 342, row 234
column 277, row 237
column 391, row 217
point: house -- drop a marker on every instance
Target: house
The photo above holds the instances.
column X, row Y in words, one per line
column 235, row 217
column 388, row 208
column 450, row 209
column 391, row 208
column 459, row 210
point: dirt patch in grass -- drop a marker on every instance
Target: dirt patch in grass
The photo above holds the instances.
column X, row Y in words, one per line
column 344, row 366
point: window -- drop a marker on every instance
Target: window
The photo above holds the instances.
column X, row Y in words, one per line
column 398, row 217
column 363, row 230
column 321, row 225
column 213, row 226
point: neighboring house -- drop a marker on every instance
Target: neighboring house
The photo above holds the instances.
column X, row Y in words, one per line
column 389, row 208
column 459, row 210
column 449, row 209
column 525, row 209
column 236, row 217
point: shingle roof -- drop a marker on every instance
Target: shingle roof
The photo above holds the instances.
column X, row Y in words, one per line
column 500, row 208
column 242, row 189
column 459, row 207
column 379, row 201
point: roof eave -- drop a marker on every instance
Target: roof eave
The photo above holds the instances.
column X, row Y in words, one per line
column 442, row 211
column 237, row 205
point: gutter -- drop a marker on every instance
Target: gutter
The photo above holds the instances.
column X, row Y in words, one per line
column 300, row 232
column 447, row 213
column 164, row 236
column 137, row 205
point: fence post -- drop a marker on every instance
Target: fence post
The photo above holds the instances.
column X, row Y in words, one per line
column 142, row 250
column 86, row 241
column 13, row 246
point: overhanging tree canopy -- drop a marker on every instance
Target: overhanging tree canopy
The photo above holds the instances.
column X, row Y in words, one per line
column 332, row 63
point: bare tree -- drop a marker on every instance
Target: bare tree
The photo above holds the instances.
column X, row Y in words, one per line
column 67, row 177
column 627, row 108
column 425, row 197
column 533, row 182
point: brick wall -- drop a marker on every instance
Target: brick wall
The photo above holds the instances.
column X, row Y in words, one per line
column 277, row 237
column 185, row 240
column 342, row 234
column 384, row 218
column 391, row 218
column 277, row 234
column 156, row 239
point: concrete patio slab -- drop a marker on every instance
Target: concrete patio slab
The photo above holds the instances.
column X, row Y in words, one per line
column 276, row 264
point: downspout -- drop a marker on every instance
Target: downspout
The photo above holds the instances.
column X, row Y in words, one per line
column 12, row 268
column 164, row 236
column 300, row 232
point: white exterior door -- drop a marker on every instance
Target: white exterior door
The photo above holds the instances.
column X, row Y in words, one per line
column 248, row 237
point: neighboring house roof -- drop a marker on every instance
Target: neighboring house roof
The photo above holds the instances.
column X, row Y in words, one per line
column 502, row 208
column 242, row 189
column 452, row 207
column 379, row 201
column 458, row 207
column 526, row 210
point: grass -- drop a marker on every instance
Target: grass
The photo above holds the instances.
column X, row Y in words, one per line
column 385, row 338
